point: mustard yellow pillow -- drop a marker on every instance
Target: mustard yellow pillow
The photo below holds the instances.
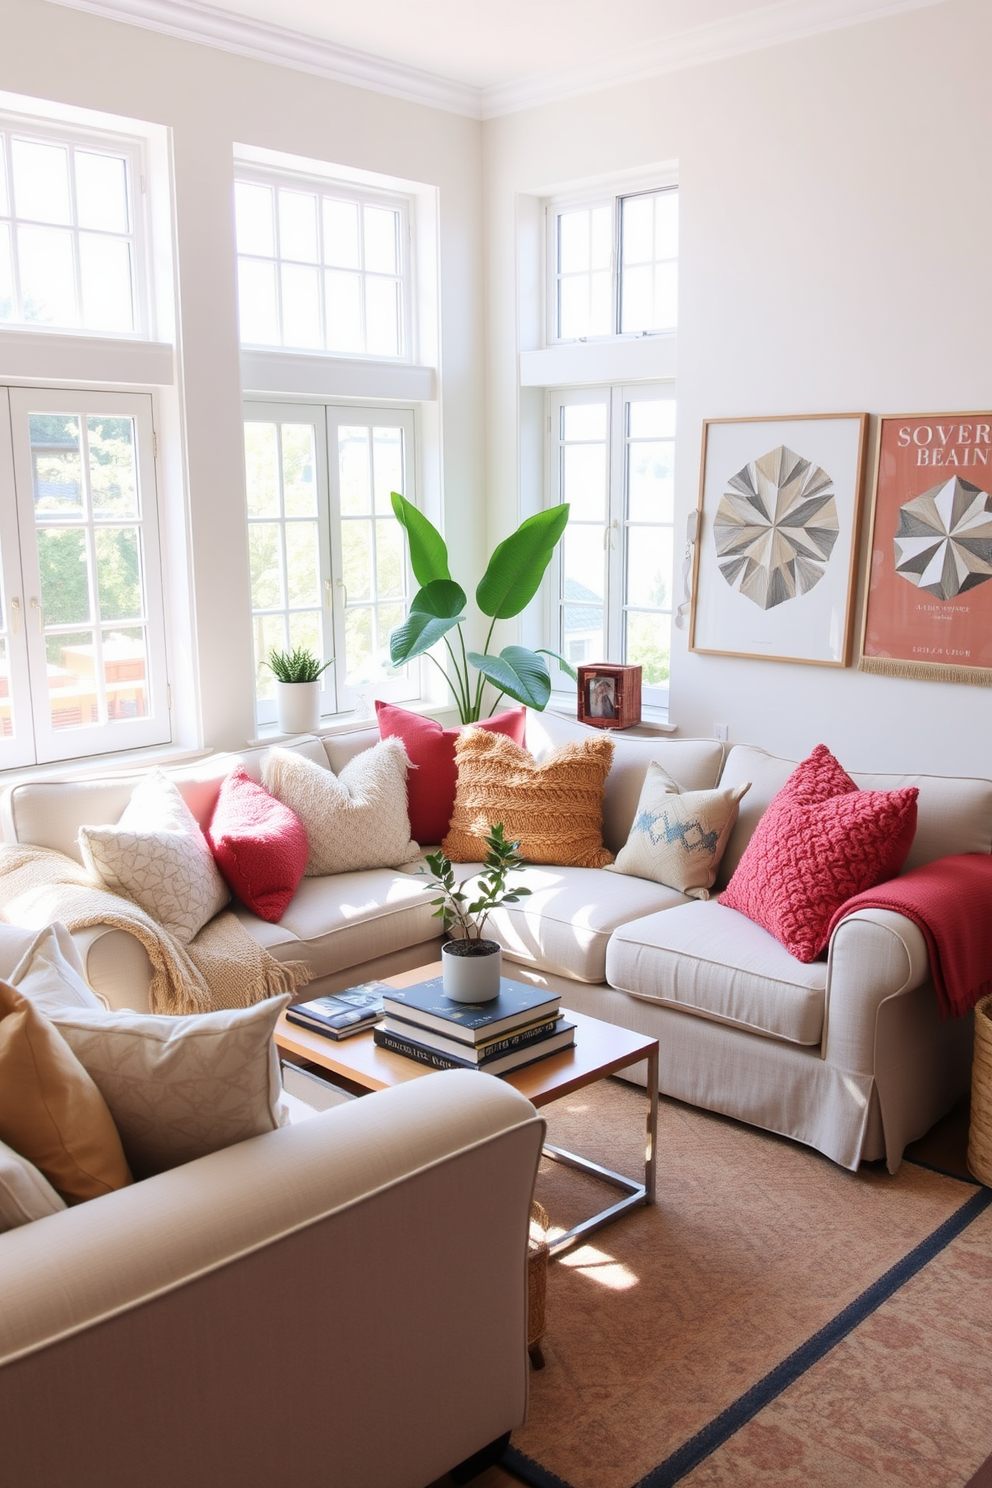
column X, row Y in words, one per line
column 50, row 1110
column 554, row 807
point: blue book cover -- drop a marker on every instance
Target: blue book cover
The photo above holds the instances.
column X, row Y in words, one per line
column 472, row 1022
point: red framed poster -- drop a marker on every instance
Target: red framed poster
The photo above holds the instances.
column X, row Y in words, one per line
column 928, row 600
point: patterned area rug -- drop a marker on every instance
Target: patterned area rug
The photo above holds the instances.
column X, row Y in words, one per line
column 774, row 1320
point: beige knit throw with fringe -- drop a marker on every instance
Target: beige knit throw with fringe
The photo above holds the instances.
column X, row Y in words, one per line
column 221, row 967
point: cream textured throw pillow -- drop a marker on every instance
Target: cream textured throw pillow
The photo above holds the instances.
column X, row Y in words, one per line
column 358, row 819
column 44, row 966
column 179, row 1088
column 157, row 856
column 678, row 837
column 25, row 1192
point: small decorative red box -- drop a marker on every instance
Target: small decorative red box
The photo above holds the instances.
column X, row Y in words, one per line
column 609, row 696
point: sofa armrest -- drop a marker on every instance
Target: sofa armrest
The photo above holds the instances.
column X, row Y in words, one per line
column 116, row 965
column 341, row 1301
column 874, row 954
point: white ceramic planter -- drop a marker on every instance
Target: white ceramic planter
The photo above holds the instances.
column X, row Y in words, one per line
column 472, row 978
column 298, row 707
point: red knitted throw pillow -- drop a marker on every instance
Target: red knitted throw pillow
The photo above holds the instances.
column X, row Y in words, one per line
column 820, row 841
column 259, row 845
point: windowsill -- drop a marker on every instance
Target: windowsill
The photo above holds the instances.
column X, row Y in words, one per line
column 355, row 723
column 653, row 720
column 579, row 363
column 268, row 370
column 127, row 762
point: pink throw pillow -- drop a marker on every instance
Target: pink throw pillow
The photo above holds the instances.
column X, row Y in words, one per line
column 820, row 841
column 431, row 749
column 259, row 845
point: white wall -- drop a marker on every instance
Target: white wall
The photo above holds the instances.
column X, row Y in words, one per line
column 836, row 223
column 210, row 100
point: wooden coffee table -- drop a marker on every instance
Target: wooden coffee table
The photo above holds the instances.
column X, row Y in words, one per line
column 601, row 1049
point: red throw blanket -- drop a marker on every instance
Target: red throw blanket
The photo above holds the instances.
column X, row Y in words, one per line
column 951, row 901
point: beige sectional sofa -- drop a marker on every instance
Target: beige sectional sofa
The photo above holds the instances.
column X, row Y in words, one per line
column 848, row 1055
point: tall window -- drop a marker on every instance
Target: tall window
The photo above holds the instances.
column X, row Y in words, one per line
column 82, row 652
column 322, row 267
column 69, row 249
column 612, row 454
column 613, row 266
column 328, row 565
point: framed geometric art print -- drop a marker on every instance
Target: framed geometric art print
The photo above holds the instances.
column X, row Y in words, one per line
column 928, row 601
column 777, row 543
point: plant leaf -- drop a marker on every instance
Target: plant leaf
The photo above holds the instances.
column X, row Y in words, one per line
column 520, row 673
column 418, row 633
column 442, row 598
column 566, row 666
column 428, row 551
column 517, row 566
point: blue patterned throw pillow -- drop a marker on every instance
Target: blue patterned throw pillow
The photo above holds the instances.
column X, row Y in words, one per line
column 678, row 837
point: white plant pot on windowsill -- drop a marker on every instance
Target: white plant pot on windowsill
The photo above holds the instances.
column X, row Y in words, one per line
column 298, row 707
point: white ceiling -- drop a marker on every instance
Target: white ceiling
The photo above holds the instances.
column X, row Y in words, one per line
column 486, row 57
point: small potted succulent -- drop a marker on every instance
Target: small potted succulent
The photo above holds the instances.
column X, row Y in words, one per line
column 472, row 965
column 297, row 675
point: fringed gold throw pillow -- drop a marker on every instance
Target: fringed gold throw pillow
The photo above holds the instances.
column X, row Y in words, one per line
column 553, row 808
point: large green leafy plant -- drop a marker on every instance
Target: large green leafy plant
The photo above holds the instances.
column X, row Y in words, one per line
column 509, row 583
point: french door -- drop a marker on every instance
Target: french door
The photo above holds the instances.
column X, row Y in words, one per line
column 82, row 632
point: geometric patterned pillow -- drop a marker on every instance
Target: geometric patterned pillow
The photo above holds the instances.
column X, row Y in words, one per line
column 178, row 1088
column 25, row 1192
column 678, row 837
column 157, row 856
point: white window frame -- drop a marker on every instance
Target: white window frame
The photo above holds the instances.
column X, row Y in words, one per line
column 257, row 174
column 35, row 739
column 327, row 416
column 133, row 149
column 613, row 198
column 614, row 397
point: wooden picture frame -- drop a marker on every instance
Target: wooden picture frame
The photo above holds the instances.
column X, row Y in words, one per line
column 775, row 560
column 927, row 609
column 609, row 695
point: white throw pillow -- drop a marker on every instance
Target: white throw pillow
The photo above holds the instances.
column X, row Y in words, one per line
column 179, row 1088
column 44, row 965
column 157, row 856
column 358, row 819
column 25, row 1193
column 678, row 837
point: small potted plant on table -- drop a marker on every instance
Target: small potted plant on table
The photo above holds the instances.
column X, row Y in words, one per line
column 297, row 675
column 472, row 966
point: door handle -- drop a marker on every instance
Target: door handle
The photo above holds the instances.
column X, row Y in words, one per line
column 36, row 605
column 15, row 615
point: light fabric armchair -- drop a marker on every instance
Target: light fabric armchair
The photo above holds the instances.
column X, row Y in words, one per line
column 338, row 1303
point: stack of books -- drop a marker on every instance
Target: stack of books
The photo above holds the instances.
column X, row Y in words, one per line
column 338, row 1015
column 521, row 1025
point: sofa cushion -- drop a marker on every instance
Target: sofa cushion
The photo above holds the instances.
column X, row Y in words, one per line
column 430, row 749
column 953, row 813
column 25, row 1192
column 347, row 918
column 50, row 1109
column 709, row 960
column 157, row 856
column 44, row 966
column 552, row 807
column 678, row 837
column 820, row 842
column 565, row 923
column 693, row 763
column 354, row 820
column 179, row 1088
column 259, row 845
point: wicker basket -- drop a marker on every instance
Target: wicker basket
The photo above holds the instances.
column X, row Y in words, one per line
column 537, row 1282
column 980, row 1133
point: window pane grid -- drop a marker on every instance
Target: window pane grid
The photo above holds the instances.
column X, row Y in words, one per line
column 67, row 237
column 648, row 537
column 90, row 545
column 376, row 593
column 318, row 272
column 648, row 278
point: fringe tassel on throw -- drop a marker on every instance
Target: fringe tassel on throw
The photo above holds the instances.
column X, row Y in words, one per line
column 925, row 671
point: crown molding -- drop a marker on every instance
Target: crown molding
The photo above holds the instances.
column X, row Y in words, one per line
column 192, row 20
column 764, row 26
